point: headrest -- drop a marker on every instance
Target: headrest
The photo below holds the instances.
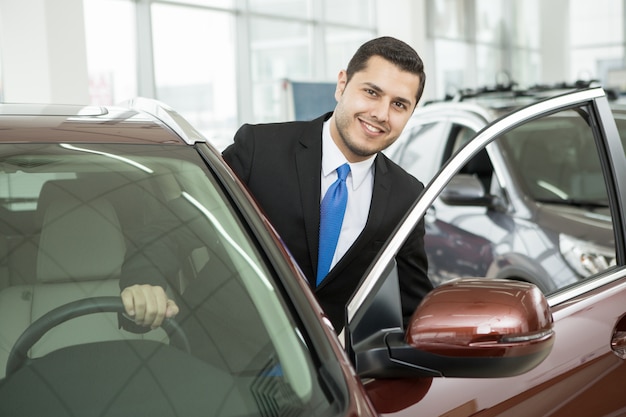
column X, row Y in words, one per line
column 81, row 239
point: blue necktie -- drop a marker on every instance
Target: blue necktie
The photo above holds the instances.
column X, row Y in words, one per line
column 332, row 210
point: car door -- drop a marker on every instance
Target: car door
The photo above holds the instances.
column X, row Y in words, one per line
column 584, row 373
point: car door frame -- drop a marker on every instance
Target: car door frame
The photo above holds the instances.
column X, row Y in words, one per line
column 613, row 160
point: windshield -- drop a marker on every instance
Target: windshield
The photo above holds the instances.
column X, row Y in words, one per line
column 77, row 223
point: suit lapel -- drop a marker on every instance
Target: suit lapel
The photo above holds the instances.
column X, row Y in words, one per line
column 309, row 168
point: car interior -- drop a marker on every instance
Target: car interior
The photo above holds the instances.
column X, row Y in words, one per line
column 66, row 263
column 71, row 236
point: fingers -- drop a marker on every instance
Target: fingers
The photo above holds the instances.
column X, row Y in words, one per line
column 148, row 305
column 171, row 309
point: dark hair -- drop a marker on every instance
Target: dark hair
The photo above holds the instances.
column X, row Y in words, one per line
column 393, row 50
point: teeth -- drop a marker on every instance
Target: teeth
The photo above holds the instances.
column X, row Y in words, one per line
column 371, row 128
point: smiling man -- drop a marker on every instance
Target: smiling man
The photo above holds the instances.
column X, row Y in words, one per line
column 289, row 167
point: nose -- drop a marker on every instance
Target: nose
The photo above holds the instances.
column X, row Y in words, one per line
column 380, row 110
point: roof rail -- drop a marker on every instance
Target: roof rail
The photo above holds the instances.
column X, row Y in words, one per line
column 168, row 116
column 511, row 90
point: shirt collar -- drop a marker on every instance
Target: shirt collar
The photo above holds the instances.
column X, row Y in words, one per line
column 332, row 158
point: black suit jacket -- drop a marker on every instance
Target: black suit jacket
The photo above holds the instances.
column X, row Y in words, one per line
column 281, row 165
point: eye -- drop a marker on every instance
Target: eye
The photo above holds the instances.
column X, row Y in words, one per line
column 400, row 105
column 371, row 92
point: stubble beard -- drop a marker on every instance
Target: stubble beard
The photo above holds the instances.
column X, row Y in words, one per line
column 342, row 123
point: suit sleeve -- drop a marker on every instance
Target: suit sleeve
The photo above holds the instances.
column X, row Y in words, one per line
column 239, row 155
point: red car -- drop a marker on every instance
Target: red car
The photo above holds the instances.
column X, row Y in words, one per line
column 91, row 196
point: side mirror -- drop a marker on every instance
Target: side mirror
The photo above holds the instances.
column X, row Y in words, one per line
column 469, row 328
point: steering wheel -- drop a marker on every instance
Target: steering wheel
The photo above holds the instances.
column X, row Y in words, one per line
column 19, row 353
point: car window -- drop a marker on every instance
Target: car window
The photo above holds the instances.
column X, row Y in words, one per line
column 420, row 149
column 544, row 218
column 76, row 220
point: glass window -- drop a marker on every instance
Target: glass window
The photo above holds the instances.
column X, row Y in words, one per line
column 454, row 64
column 300, row 9
column 111, row 53
column 596, row 62
column 606, row 17
column 447, row 19
column 220, row 63
column 201, row 85
column 359, row 13
column 526, row 24
column 125, row 214
column 340, row 45
column 489, row 62
column 215, row 3
column 555, row 162
column 279, row 49
column 532, row 207
column 491, row 22
column 420, row 149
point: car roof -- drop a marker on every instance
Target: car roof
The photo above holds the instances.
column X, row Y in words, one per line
column 48, row 123
column 492, row 102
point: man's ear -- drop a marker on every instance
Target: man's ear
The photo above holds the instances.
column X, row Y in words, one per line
column 342, row 80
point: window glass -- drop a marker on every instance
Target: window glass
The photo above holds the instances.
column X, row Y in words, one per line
column 199, row 85
column 526, row 69
column 420, row 149
column 491, row 22
column 606, row 17
column 526, row 24
column 597, row 63
column 294, row 8
column 454, row 64
column 279, row 49
column 113, row 215
column 620, row 121
column 19, row 191
column 489, row 62
column 544, row 218
column 359, row 13
column 447, row 19
column 215, row 3
column 340, row 45
column 555, row 162
column 111, row 54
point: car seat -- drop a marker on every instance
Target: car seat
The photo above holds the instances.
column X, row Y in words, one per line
column 80, row 254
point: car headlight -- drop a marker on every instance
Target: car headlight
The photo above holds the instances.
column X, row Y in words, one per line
column 586, row 258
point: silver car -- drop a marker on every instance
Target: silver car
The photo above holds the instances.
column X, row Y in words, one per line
column 536, row 194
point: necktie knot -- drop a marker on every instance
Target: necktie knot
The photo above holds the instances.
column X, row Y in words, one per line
column 343, row 171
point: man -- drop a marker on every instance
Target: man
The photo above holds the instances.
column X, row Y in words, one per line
column 288, row 167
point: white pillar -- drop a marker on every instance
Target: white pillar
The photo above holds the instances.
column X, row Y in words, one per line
column 43, row 54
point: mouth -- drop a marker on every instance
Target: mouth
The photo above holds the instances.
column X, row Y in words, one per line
column 371, row 128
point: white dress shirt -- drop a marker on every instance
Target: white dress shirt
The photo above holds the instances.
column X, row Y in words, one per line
column 360, row 183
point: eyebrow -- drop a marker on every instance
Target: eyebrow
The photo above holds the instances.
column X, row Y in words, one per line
column 376, row 88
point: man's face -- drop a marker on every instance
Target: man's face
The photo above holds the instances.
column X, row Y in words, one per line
column 373, row 108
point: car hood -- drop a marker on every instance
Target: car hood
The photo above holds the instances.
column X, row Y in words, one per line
column 589, row 224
